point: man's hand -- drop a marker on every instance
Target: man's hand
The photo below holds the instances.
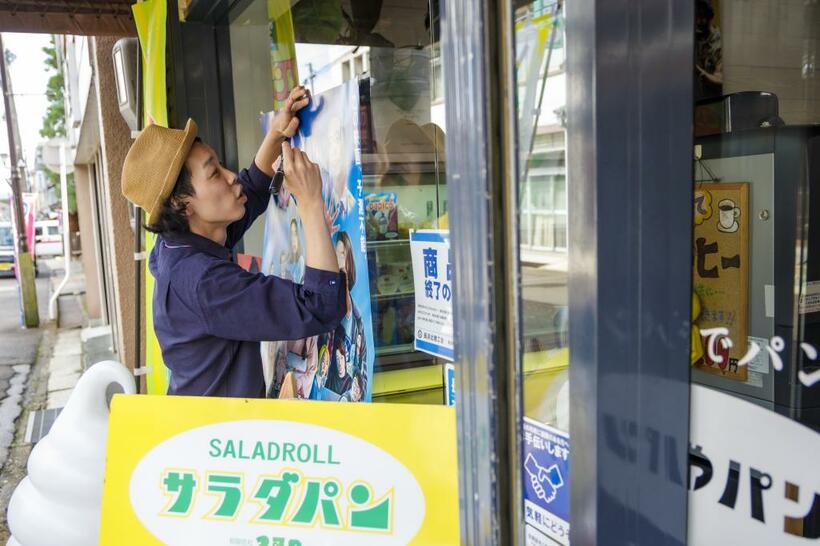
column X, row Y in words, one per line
column 285, row 123
column 302, row 177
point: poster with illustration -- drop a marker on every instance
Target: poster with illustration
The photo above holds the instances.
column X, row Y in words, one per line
column 721, row 276
column 336, row 365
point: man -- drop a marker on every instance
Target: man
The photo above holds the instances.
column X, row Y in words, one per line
column 209, row 314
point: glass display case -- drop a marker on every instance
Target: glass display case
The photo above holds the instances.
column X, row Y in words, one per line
column 404, row 191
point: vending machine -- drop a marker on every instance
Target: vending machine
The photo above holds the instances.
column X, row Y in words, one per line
column 780, row 163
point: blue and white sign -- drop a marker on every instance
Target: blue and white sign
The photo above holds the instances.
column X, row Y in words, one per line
column 546, row 483
column 450, row 384
column 432, row 276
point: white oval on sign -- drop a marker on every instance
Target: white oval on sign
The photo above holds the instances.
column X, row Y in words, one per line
column 753, row 473
column 229, row 470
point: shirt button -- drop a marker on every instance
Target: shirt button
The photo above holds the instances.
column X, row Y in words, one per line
column 332, row 283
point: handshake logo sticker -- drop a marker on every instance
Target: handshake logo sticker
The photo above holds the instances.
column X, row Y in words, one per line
column 545, row 481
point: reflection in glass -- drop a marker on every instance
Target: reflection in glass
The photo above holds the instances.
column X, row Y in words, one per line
column 755, row 267
column 755, row 210
column 542, row 191
column 543, row 210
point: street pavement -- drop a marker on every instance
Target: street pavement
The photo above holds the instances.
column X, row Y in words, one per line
column 18, row 352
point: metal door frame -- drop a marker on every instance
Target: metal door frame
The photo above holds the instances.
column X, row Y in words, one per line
column 630, row 66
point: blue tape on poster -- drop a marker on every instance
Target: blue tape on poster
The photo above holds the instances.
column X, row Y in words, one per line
column 546, row 481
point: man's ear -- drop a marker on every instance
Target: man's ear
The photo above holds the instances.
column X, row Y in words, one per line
column 181, row 204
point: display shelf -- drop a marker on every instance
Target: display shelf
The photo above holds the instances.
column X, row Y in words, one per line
column 395, row 349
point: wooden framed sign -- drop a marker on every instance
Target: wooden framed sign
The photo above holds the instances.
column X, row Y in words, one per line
column 721, row 275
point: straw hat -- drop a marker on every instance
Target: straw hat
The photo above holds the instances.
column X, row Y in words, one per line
column 153, row 164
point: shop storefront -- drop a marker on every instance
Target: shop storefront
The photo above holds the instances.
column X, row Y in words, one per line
column 626, row 189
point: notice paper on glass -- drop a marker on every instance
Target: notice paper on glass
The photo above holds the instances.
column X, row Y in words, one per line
column 432, row 277
column 546, row 483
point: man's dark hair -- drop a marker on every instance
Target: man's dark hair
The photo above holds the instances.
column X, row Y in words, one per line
column 172, row 217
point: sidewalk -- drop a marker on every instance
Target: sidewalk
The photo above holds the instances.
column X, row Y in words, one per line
column 70, row 308
column 61, row 359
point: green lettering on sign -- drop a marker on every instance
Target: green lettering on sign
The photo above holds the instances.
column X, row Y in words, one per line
column 308, row 510
column 276, row 493
column 229, row 488
column 371, row 516
column 181, row 486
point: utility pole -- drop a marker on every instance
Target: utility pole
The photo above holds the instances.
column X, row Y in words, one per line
column 25, row 267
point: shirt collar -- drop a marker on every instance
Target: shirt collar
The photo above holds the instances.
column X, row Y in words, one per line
column 200, row 243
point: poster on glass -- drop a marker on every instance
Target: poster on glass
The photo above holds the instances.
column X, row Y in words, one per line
column 336, row 365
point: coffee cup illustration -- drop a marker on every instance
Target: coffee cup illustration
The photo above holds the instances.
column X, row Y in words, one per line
column 728, row 213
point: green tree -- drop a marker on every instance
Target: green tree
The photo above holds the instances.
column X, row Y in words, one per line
column 54, row 119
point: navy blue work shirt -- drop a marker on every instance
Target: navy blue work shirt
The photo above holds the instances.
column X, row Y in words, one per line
column 210, row 314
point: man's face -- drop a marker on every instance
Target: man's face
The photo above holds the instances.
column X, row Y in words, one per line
column 218, row 197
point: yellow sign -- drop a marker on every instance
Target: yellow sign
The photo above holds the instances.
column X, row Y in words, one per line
column 150, row 18
column 226, row 471
column 721, row 275
column 282, row 51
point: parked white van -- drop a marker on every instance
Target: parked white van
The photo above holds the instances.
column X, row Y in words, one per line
column 48, row 239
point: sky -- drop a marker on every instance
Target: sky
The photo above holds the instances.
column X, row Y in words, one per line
column 29, row 78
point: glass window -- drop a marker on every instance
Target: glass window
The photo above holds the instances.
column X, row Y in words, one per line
column 6, row 236
column 755, row 269
column 392, row 50
column 542, row 190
